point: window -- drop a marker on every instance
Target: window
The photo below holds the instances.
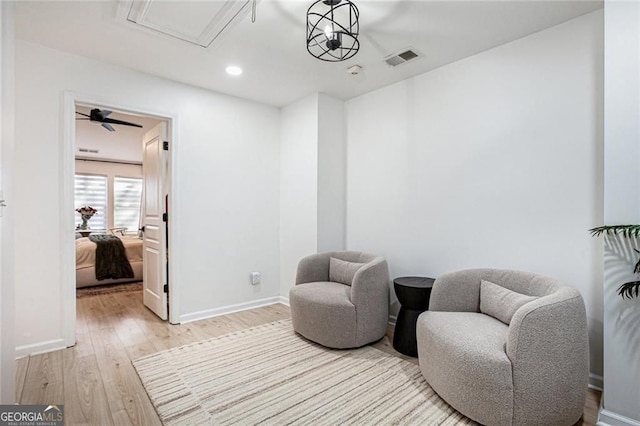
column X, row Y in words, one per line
column 127, row 195
column 91, row 190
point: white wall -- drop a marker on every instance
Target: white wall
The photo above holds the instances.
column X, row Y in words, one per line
column 331, row 174
column 227, row 174
column 109, row 169
column 298, row 183
column 312, row 181
column 492, row 161
column 621, row 396
column 7, row 307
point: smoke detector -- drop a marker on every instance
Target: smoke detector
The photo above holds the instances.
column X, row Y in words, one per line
column 401, row 57
column 354, row 70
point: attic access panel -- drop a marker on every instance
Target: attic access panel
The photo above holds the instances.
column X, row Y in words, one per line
column 197, row 22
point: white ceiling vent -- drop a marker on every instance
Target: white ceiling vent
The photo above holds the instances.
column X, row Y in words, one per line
column 197, row 22
column 88, row 150
column 401, row 57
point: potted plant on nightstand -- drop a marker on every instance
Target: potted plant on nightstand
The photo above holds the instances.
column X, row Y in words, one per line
column 632, row 288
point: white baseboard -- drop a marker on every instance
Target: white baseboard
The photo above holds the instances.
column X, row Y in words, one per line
column 609, row 418
column 40, row 348
column 595, row 382
column 284, row 300
column 210, row 313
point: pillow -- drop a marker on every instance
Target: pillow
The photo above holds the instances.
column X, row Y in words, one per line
column 341, row 271
column 499, row 302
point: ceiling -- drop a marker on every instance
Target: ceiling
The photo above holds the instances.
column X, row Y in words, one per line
column 278, row 70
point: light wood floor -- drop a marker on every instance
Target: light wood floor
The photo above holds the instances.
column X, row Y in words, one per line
column 95, row 379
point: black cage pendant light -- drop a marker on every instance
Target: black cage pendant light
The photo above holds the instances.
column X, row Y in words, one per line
column 332, row 30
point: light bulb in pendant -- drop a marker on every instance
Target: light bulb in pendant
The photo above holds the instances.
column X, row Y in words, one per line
column 334, row 39
column 328, row 32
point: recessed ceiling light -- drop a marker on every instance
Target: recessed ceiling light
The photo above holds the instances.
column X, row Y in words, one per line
column 233, row 70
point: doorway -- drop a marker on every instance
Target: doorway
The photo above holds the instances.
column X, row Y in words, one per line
column 76, row 148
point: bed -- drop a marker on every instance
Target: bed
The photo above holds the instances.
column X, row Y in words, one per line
column 86, row 258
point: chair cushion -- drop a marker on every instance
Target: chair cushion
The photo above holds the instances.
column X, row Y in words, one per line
column 324, row 292
column 323, row 312
column 341, row 271
column 462, row 356
column 499, row 302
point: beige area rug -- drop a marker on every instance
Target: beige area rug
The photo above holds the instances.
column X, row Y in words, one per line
column 269, row 375
column 108, row 289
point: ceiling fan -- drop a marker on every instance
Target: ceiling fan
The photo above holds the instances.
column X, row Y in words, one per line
column 101, row 116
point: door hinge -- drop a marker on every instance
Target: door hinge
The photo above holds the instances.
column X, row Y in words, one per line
column 165, row 145
column 166, row 288
column 165, row 217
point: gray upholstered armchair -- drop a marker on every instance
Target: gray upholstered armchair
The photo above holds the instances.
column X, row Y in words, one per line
column 506, row 347
column 341, row 298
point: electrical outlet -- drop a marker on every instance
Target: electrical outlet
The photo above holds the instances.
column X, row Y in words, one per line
column 255, row 278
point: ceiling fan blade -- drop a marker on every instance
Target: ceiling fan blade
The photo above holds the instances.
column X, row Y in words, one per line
column 109, row 127
column 104, row 113
column 124, row 123
column 82, row 118
column 82, row 113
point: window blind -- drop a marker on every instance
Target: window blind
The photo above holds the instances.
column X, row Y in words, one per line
column 91, row 190
column 127, row 196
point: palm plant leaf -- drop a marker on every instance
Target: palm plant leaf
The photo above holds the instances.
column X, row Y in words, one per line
column 627, row 231
column 630, row 289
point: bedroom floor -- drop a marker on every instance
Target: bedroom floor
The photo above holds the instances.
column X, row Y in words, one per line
column 95, row 379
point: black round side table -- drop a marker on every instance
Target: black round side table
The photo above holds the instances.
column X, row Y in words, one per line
column 413, row 294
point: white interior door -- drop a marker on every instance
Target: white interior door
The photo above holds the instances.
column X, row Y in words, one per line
column 154, row 235
column 7, row 133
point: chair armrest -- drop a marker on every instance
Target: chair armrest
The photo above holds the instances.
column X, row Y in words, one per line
column 370, row 296
column 371, row 284
column 548, row 347
column 313, row 268
column 457, row 291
